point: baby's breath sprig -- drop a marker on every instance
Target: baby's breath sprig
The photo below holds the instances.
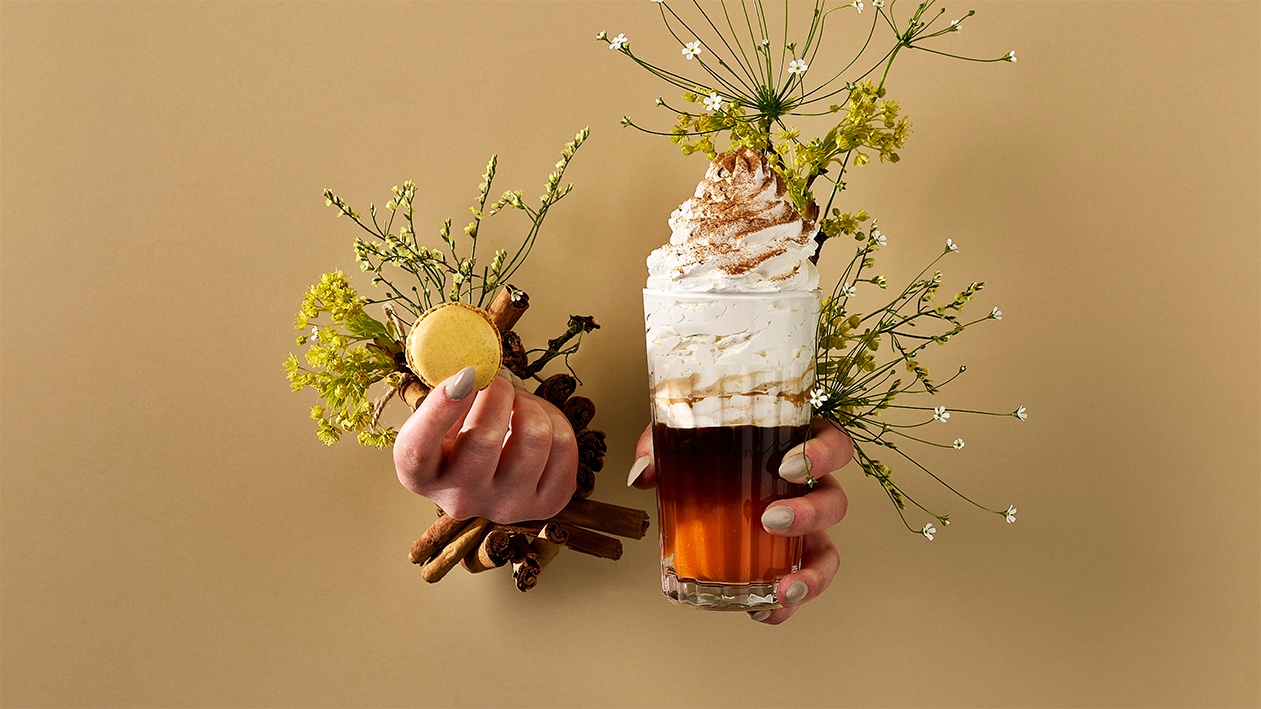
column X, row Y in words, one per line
column 442, row 274
column 749, row 84
column 856, row 384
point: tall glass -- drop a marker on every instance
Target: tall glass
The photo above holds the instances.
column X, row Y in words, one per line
column 731, row 376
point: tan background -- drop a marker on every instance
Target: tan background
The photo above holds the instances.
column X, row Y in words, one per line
column 173, row 534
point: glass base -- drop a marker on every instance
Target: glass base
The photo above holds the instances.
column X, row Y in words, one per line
column 709, row 595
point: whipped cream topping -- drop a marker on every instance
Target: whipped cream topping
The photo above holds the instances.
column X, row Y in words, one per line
column 731, row 360
column 739, row 233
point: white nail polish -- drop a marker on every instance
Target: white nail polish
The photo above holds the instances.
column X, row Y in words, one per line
column 637, row 469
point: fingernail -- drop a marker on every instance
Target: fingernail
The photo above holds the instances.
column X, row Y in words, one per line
column 796, row 593
column 778, row 517
column 795, row 468
column 461, row 384
column 760, row 616
column 637, row 469
column 513, row 379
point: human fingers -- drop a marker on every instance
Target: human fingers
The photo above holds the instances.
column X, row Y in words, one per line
column 464, row 485
column 418, row 448
column 819, row 563
column 536, row 472
column 828, row 449
column 815, row 511
column 642, row 474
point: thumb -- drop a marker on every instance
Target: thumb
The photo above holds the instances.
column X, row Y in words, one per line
column 643, row 475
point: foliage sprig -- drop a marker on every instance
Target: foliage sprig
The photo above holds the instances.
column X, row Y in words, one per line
column 349, row 351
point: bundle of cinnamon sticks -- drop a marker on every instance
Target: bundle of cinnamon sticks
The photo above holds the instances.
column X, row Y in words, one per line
column 584, row 525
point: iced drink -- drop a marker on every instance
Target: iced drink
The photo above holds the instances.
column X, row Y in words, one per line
column 731, row 315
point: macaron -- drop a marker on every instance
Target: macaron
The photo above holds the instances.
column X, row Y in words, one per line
column 451, row 336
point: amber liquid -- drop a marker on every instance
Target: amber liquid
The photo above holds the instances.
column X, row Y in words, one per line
column 713, row 484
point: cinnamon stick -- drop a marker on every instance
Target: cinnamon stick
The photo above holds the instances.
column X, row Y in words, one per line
column 439, row 533
column 508, row 307
column 490, row 554
column 593, row 543
column 412, row 391
column 456, row 550
column 605, row 517
column 528, row 529
column 549, row 543
column 526, row 574
column 525, row 563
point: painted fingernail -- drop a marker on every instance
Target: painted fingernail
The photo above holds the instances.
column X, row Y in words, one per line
column 778, row 517
column 637, row 469
column 795, row 468
column 760, row 616
column 461, row 384
column 513, row 379
column 796, row 593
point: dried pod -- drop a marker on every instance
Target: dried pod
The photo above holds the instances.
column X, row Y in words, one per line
column 579, row 410
column 592, row 448
column 514, row 354
column 557, row 388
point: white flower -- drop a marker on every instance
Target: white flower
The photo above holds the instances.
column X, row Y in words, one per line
column 877, row 3
column 1011, row 56
column 1010, row 514
column 766, row 43
column 858, row 4
column 817, row 397
column 951, row 246
column 940, row 414
column 877, row 237
column 602, row 35
column 691, row 50
column 618, row 42
column 958, row 443
column 954, row 25
column 658, row 1
column 315, row 333
column 797, row 67
column 996, row 314
column 713, row 102
column 1020, row 413
column 928, row 531
column 848, row 290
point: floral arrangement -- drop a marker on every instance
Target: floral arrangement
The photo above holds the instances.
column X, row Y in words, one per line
column 750, row 80
column 349, row 351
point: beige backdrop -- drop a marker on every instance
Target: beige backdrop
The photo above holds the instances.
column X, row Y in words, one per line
column 174, row 535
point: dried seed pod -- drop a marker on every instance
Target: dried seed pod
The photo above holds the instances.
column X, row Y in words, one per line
column 514, row 354
column 592, row 448
column 557, row 388
column 579, row 410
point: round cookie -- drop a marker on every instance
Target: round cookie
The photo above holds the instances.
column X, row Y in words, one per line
column 449, row 337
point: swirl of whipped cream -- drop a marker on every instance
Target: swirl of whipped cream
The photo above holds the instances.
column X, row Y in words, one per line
column 738, row 234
